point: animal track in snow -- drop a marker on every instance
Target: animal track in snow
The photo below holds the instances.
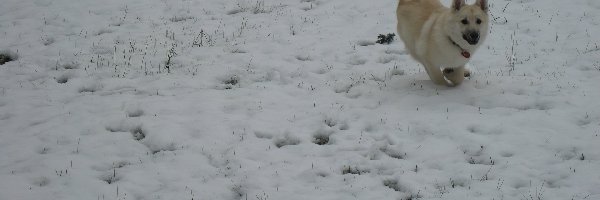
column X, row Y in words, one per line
column 354, row 170
column 229, row 83
column 6, row 56
column 110, row 177
column 70, row 65
column 157, row 148
column 89, row 88
column 321, row 139
column 137, row 132
column 478, row 156
column 392, row 152
column 40, row 181
column 135, row 112
column 365, row 43
column 263, row 135
column 285, row 140
column 64, row 78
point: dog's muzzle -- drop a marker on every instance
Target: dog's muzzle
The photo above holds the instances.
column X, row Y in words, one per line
column 471, row 37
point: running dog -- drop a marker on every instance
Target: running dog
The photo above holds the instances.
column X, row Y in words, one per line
column 443, row 39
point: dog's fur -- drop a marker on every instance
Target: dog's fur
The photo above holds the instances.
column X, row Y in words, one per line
column 440, row 37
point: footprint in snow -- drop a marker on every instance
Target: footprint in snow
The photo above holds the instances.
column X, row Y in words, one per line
column 136, row 131
column 285, row 140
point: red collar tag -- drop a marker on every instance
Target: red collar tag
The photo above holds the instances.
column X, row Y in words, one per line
column 465, row 54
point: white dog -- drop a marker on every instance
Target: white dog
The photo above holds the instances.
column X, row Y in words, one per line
column 443, row 38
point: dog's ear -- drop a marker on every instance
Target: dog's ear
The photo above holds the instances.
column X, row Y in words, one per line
column 457, row 4
column 483, row 4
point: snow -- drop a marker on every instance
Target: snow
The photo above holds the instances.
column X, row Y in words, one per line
column 291, row 100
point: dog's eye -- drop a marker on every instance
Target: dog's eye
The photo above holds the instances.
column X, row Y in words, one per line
column 465, row 21
column 478, row 21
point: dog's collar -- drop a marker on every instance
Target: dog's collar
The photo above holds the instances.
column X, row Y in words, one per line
column 463, row 52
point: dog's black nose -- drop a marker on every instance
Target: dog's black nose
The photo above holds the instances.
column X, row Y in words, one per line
column 472, row 37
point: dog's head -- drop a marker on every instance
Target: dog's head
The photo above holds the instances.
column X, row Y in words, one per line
column 468, row 22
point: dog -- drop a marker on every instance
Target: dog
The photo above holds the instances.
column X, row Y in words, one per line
column 443, row 39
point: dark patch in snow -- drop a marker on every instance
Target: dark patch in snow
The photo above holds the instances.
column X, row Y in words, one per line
column 321, row 136
column 322, row 174
column 180, row 18
column 303, row 58
column 321, row 139
column 47, row 41
column 570, row 154
column 257, row 7
column 394, row 153
column 110, row 178
column 385, row 38
column 135, row 113
column 370, row 128
column 481, row 161
column 70, row 65
column 365, row 43
column 330, row 122
column 538, row 106
column 394, row 185
column 235, row 11
column 343, row 89
column 263, row 135
column 238, row 190
column 43, row 150
column 474, row 129
column 477, row 156
column 6, row 56
column 41, row 181
column 121, row 164
column 231, row 82
column 89, row 88
column 103, row 31
column 138, row 133
column 154, row 149
column 354, row 170
column 344, row 126
column 286, row 140
column 63, row 78
column 395, row 51
column 507, row 154
column 459, row 182
column 398, row 187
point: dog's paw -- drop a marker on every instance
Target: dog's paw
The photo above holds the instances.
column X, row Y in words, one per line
column 467, row 73
column 454, row 75
column 448, row 71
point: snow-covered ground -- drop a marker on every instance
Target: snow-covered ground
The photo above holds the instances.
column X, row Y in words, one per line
column 291, row 99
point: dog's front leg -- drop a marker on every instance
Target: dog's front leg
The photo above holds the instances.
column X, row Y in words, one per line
column 456, row 75
column 435, row 74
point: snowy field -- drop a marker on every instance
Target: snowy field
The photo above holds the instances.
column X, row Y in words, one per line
column 291, row 99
